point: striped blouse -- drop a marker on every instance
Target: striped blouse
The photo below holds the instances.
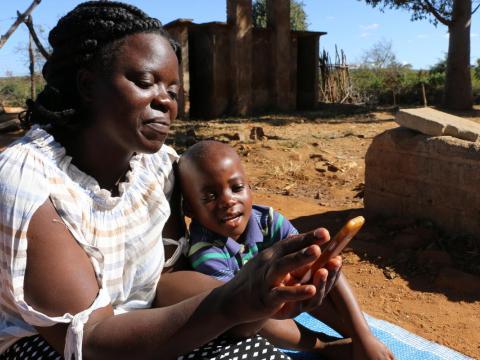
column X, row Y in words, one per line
column 121, row 235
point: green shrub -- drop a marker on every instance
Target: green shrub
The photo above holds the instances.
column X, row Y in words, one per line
column 15, row 90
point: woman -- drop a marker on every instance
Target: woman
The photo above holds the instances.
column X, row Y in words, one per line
column 85, row 202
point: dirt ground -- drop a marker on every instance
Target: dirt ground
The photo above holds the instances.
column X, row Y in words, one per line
column 310, row 167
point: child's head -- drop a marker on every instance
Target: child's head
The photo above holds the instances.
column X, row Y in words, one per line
column 215, row 189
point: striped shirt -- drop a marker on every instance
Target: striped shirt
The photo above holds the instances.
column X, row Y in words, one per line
column 121, row 235
column 222, row 257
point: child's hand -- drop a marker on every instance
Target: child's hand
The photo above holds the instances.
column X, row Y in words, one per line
column 323, row 280
column 370, row 348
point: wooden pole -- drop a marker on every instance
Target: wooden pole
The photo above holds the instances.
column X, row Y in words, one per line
column 20, row 19
column 424, row 95
column 32, row 67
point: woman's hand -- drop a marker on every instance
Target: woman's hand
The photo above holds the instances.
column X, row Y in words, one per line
column 258, row 291
column 370, row 348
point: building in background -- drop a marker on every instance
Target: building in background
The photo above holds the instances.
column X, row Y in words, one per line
column 234, row 68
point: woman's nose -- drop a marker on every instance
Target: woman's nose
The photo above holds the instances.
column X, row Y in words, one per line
column 162, row 100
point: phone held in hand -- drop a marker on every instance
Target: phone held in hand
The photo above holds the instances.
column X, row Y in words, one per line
column 336, row 245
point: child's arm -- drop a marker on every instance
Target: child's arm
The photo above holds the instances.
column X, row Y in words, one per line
column 347, row 318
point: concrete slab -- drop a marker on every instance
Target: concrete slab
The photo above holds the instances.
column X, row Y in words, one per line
column 437, row 123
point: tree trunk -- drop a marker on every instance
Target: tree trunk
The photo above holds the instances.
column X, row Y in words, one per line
column 458, row 82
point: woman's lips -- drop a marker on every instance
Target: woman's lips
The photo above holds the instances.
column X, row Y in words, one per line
column 159, row 127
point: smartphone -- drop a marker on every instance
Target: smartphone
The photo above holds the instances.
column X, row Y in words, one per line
column 336, row 245
column 340, row 240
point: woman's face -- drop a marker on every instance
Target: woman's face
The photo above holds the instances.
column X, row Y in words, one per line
column 134, row 102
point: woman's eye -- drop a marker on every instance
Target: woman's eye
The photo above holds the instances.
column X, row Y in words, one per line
column 173, row 95
column 144, row 84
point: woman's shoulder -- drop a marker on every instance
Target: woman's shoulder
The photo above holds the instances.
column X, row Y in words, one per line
column 24, row 173
column 24, row 158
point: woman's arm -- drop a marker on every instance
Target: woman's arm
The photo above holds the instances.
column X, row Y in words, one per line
column 60, row 279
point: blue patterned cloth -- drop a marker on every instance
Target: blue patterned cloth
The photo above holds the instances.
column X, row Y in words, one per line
column 404, row 344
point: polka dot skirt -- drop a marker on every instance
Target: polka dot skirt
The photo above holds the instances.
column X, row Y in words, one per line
column 256, row 348
column 32, row 348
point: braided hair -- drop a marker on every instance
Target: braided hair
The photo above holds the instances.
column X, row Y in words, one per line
column 87, row 37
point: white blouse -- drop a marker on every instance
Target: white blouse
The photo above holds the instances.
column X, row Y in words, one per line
column 121, row 235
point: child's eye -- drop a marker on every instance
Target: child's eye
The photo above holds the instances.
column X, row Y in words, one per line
column 238, row 188
column 208, row 197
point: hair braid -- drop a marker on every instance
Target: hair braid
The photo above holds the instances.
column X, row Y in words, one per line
column 87, row 36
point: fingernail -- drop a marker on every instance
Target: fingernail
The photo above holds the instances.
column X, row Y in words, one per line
column 319, row 233
column 309, row 251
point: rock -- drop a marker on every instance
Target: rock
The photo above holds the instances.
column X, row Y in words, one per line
column 10, row 125
column 437, row 123
column 371, row 249
column 238, row 136
column 287, row 189
column 435, row 258
column 389, row 273
column 409, row 240
column 427, row 234
column 350, row 165
column 318, row 157
column 459, row 281
column 333, row 168
column 398, row 223
column 320, row 167
column 257, row 133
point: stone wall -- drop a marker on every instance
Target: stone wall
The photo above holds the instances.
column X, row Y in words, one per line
column 408, row 173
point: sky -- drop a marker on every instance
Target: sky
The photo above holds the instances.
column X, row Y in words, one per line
column 351, row 25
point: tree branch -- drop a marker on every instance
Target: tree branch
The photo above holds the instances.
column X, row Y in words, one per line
column 20, row 19
column 29, row 22
column 427, row 5
column 476, row 8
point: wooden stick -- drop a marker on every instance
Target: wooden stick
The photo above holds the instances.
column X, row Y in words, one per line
column 20, row 19
column 29, row 22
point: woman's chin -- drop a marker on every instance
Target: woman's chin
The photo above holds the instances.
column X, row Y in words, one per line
column 151, row 146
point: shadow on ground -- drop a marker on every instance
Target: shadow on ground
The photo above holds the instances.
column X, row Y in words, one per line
column 412, row 249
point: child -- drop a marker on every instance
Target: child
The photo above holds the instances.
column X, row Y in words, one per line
column 227, row 230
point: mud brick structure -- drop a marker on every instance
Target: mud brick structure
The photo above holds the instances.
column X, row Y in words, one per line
column 409, row 173
column 234, row 68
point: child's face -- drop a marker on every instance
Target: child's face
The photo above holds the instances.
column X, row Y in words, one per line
column 218, row 195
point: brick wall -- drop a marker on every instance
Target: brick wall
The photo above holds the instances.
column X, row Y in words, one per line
column 437, row 178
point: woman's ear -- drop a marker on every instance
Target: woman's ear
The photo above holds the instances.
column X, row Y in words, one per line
column 85, row 80
column 187, row 211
